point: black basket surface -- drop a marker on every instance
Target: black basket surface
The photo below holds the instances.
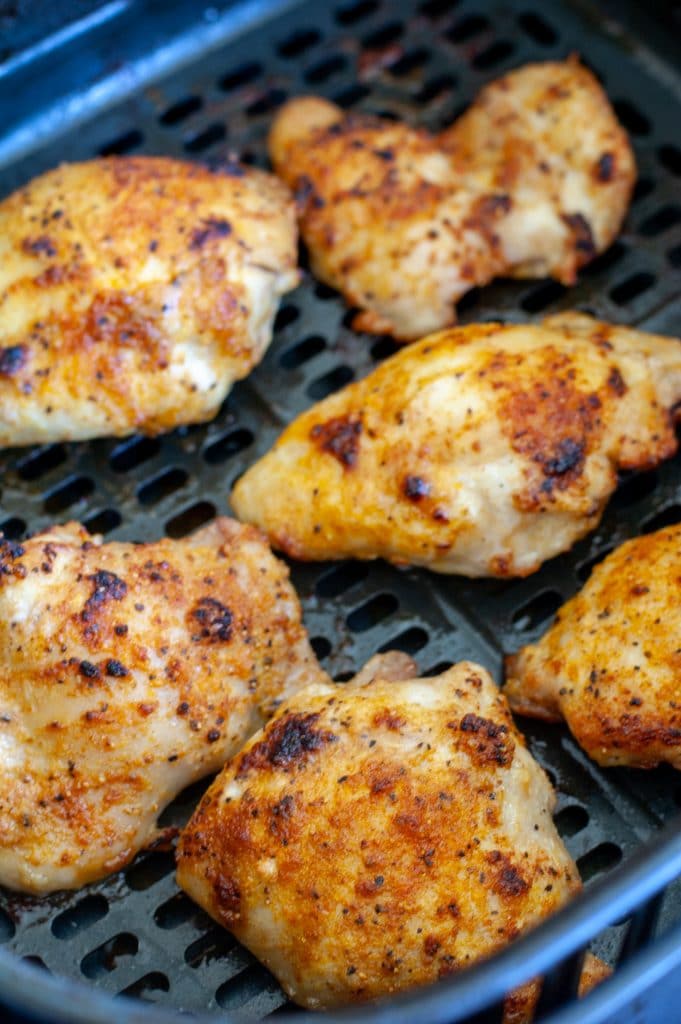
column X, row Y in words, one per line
column 202, row 83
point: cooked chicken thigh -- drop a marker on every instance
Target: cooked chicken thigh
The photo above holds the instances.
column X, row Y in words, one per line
column 610, row 664
column 133, row 292
column 534, row 179
column 377, row 836
column 127, row 672
column 483, row 450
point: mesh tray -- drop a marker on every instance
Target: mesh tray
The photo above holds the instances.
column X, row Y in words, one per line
column 136, row 933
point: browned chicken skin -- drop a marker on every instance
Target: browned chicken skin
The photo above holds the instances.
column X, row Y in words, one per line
column 483, row 450
column 379, row 835
column 133, row 292
column 610, row 664
column 535, row 179
column 127, row 672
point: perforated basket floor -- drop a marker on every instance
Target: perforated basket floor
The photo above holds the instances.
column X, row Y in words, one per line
column 136, row 933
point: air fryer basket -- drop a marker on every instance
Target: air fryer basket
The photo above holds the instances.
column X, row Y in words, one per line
column 203, row 83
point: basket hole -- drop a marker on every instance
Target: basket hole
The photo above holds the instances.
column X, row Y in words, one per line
column 7, row 928
column 38, row 463
column 240, row 76
column 410, row 62
column 105, row 958
column 537, row 610
column 664, row 219
column 104, row 521
column 324, row 291
column 209, row 136
column 179, row 809
column 133, row 453
column 383, row 36
column 73, row 489
column 145, row 987
column 298, row 42
column 383, row 348
column 13, row 529
column 584, row 569
column 330, row 382
column 306, row 349
column 635, row 488
column 471, row 299
column 212, row 946
column 669, row 516
column 162, row 485
column 181, row 110
column 642, row 188
column 341, row 578
column 543, row 296
column 631, row 117
column 571, row 820
column 150, row 870
column 350, row 14
column 606, row 261
column 372, row 612
column 122, row 143
column 670, row 158
column 436, row 86
column 466, row 28
column 190, row 519
column 437, row 669
column 410, row 641
column 325, row 69
column 286, row 315
column 352, row 95
column 600, row 859
column 321, row 646
column 228, row 445
column 36, row 961
column 674, row 256
column 493, row 55
column 254, row 982
column 174, row 912
column 436, row 8
column 631, row 288
column 269, row 101
column 537, row 28
column 76, row 919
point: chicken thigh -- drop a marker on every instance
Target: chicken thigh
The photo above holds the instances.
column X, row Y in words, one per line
column 378, row 835
column 483, row 450
column 133, row 292
column 127, row 672
column 610, row 663
column 534, row 179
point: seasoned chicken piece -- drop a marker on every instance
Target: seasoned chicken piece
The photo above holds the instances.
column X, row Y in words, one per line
column 127, row 672
column 133, row 292
column 377, row 836
column 610, row 664
column 483, row 450
column 546, row 136
column 534, row 179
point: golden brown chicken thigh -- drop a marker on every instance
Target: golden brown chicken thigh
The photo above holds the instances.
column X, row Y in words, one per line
column 127, row 672
column 534, row 179
column 483, row 450
column 378, row 835
column 133, row 292
column 610, row 664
